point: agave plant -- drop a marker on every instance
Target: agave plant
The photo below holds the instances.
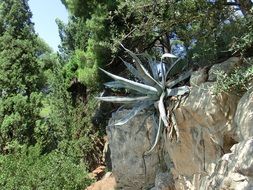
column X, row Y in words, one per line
column 148, row 90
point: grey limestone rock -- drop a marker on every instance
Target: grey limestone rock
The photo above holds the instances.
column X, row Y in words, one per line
column 244, row 116
column 233, row 171
column 128, row 143
column 203, row 121
column 198, row 77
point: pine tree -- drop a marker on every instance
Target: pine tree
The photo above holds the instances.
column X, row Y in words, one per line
column 20, row 84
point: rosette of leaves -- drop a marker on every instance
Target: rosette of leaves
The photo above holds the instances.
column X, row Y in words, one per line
column 150, row 89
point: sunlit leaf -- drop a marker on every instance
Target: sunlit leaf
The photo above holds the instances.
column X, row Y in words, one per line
column 162, row 110
column 177, row 91
column 133, row 112
column 179, row 79
column 168, row 55
column 123, row 100
column 142, row 88
column 158, row 135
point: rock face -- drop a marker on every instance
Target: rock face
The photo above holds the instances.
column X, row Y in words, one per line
column 164, row 181
column 205, row 124
column 244, row 116
column 233, row 170
column 199, row 77
column 128, row 144
column 214, row 149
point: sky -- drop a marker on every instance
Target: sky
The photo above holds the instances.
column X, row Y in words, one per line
column 44, row 14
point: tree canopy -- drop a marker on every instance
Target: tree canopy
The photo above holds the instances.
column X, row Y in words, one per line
column 20, row 74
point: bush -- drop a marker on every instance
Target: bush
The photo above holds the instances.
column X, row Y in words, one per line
column 244, row 42
column 237, row 82
column 28, row 170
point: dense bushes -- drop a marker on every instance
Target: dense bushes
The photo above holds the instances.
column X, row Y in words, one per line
column 28, row 169
column 239, row 81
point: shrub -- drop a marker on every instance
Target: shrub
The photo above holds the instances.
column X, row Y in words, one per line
column 28, row 170
column 237, row 82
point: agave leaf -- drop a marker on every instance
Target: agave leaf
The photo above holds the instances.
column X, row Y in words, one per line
column 123, row 100
column 149, row 80
column 179, row 79
column 168, row 55
column 154, row 69
column 135, row 110
column 171, row 67
column 163, row 74
column 132, row 70
column 161, row 109
column 115, row 84
column 154, row 83
column 177, row 91
column 142, row 88
column 158, row 134
column 153, row 66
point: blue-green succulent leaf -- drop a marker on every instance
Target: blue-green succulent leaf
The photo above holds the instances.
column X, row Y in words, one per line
column 135, row 110
column 179, row 79
column 171, row 67
column 153, row 67
column 142, row 88
column 168, row 55
column 162, row 110
column 132, row 70
column 114, row 84
column 178, row 91
column 123, row 100
column 158, row 135
column 149, row 80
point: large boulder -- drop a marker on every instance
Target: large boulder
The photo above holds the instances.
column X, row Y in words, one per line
column 244, row 116
column 233, row 171
column 128, row 144
column 198, row 77
column 164, row 181
column 205, row 122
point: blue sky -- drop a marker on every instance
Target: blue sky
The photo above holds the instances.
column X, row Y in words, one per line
column 44, row 14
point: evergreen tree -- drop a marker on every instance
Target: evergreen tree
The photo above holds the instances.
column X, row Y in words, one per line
column 20, row 85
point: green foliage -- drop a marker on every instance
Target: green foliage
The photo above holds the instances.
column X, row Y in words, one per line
column 46, row 142
column 244, row 41
column 88, row 72
column 18, row 116
column 20, row 75
column 68, row 127
column 83, row 8
column 82, row 40
column 81, row 65
column 27, row 169
column 239, row 81
column 73, row 36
